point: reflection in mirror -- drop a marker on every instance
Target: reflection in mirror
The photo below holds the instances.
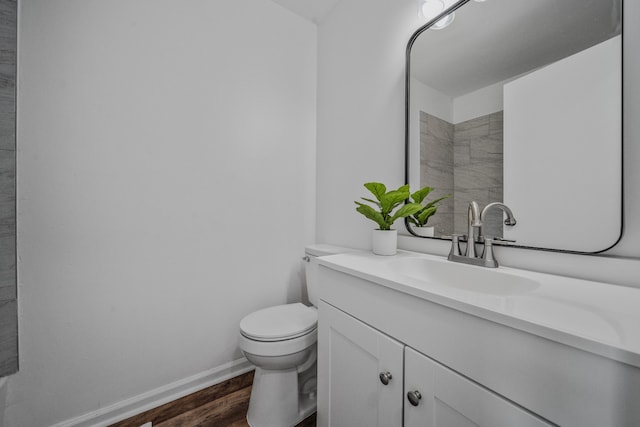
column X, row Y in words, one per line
column 519, row 101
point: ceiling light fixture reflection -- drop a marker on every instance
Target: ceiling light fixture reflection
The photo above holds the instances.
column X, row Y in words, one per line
column 429, row 9
column 444, row 22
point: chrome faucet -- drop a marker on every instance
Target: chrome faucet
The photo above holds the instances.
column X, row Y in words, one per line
column 475, row 219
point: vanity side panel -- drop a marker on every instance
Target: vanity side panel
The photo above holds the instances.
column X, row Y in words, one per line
column 565, row 385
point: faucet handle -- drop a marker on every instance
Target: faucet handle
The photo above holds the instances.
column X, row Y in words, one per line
column 487, row 256
column 455, row 245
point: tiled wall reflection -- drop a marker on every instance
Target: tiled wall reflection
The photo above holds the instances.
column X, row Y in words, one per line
column 466, row 160
column 436, row 168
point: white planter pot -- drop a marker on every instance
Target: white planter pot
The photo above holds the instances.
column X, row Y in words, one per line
column 385, row 242
column 425, row 231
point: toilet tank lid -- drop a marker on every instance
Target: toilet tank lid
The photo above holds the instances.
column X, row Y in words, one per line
column 280, row 322
column 321, row 249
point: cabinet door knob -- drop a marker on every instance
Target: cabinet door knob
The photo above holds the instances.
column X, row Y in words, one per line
column 385, row 377
column 414, row 397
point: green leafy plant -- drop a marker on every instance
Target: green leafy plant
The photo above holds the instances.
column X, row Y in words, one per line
column 386, row 202
column 421, row 217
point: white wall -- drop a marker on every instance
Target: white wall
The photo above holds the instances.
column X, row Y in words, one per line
column 361, row 47
column 478, row 103
column 360, row 134
column 166, row 176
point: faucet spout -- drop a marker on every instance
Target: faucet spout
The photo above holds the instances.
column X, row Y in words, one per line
column 511, row 220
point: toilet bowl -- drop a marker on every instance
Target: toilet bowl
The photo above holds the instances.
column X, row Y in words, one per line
column 281, row 342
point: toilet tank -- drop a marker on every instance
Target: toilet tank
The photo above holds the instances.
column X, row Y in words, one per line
column 311, row 266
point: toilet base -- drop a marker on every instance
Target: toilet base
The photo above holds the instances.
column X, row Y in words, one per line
column 281, row 398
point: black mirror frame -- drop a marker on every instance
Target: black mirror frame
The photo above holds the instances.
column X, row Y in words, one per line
column 407, row 113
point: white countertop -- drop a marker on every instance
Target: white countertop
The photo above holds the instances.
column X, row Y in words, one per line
column 597, row 317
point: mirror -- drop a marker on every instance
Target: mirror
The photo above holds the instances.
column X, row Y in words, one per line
column 520, row 101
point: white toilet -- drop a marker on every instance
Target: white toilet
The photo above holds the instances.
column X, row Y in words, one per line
column 281, row 342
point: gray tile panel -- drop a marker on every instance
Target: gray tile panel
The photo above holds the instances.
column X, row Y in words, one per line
column 8, row 337
column 8, row 303
column 7, row 262
column 471, row 129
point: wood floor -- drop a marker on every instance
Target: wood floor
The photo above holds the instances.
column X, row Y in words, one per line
column 221, row 405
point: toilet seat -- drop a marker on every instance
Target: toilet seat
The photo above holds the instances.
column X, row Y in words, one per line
column 282, row 322
column 278, row 348
column 280, row 330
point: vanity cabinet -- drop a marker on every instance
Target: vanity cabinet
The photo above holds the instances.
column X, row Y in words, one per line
column 472, row 366
column 369, row 379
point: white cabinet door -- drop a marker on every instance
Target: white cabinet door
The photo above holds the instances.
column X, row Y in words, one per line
column 450, row 400
column 351, row 358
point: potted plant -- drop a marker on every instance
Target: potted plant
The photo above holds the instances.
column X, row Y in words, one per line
column 421, row 217
column 385, row 240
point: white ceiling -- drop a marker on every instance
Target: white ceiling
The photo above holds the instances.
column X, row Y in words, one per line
column 313, row 10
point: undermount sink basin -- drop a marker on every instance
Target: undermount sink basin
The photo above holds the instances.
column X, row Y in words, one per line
column 464, row 277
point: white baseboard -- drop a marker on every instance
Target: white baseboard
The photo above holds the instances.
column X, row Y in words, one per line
column 152, row 399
